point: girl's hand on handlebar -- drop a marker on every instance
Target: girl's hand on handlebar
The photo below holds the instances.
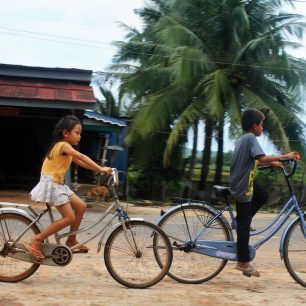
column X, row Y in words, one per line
column 106, row 170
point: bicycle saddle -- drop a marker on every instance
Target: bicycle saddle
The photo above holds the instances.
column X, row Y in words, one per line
column 221, row 191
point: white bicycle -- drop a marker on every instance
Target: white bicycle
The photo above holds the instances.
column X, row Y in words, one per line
column 130, row 250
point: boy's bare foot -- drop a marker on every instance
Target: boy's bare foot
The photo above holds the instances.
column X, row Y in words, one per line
column 247, row 269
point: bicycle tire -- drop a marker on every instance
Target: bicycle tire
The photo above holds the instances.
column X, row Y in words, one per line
column 130, row 256
column 11, row 269
column 295, row 252
column 187, row 266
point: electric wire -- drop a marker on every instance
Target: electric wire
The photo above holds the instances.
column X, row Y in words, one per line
column 54, row 35
column 57, row 41
column 132, row 51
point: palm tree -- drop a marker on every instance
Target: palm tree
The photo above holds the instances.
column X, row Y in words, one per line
column 209, row 60
column 187, row 192
column 107, row 103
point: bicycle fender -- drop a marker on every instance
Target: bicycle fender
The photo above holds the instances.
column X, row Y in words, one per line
column 120, row 223
column 136, row 219
column 113, row 228
column 282, row 241
column 21, row 212
column 213, row 210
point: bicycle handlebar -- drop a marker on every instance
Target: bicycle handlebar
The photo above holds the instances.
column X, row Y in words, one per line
column 283, row 160
column 111, row 179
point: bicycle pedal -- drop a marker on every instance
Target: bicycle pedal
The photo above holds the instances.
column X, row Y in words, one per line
column 79, row 251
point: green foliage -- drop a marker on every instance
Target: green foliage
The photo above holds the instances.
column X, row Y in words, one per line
column 208, row 60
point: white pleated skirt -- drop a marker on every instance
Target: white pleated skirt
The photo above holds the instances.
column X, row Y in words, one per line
column 49, row 192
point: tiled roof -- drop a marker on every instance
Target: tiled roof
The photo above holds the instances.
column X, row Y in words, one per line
column 48, row 90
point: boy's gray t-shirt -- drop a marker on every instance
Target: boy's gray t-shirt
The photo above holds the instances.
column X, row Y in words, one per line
column 243, row 166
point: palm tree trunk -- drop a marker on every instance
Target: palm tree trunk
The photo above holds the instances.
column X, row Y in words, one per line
column 209, row 126
column 189, row 177
column 219, row 159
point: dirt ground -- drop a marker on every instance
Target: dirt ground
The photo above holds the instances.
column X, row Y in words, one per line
column 85, row 281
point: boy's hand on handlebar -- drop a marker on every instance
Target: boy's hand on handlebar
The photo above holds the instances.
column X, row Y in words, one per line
column 297, row 156
column 277, row 164
column 294, row 155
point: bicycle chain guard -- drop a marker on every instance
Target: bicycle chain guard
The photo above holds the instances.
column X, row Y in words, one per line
column 55, row 254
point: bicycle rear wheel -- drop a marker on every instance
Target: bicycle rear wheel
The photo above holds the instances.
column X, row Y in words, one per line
column 129, row 254
column 11, row 269
column 295, row 252
column 184, row 224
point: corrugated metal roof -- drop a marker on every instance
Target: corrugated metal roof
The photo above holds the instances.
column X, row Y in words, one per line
column 104, row 119
column 59, row 91
column 46, row 73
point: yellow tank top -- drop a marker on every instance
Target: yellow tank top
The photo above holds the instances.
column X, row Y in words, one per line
column 57, row 165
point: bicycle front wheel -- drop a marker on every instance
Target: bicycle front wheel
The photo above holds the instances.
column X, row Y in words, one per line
column 184, row 224
column 11, row 226
column 130, row 254
column 295, row 252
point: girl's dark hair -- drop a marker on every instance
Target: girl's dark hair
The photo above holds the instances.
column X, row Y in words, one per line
column 250, row 117
column 66, row 123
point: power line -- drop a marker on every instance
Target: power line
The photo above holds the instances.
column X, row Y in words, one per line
column 132, row 51
column 222, row 63
column 62, row 42
column 216, row 137
column 53, row 35
column 53, row 40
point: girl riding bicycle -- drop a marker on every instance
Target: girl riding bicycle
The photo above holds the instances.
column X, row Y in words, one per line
column 51, row 188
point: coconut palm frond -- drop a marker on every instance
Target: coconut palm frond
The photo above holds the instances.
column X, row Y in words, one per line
column 190, row 115
column 173, row 33
column 157, row 109
column 241, row 24
column 188, row 64
column 218, row 93
column 296, row 28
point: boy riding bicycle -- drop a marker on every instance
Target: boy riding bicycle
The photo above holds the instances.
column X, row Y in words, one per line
column 248, row 195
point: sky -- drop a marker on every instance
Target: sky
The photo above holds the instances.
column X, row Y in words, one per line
column 70, row 33
column 76, row 34
column 65, row 33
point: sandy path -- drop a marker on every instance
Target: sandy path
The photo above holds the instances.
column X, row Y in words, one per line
column 86, row 282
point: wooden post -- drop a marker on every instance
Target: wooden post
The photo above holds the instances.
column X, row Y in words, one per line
column 103, row 159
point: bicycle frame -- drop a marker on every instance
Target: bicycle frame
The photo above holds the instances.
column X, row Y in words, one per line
column 35, row 217
column 118, row 213
column 137, row 253
column 289, row 207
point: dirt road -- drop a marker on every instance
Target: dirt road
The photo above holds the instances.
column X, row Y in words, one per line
column 86, row 282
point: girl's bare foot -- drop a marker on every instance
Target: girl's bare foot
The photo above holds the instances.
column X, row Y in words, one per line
column 34, row 248
column 36, row 242
column 72, row 242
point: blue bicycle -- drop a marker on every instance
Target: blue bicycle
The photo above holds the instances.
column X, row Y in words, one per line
column 203, row 242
